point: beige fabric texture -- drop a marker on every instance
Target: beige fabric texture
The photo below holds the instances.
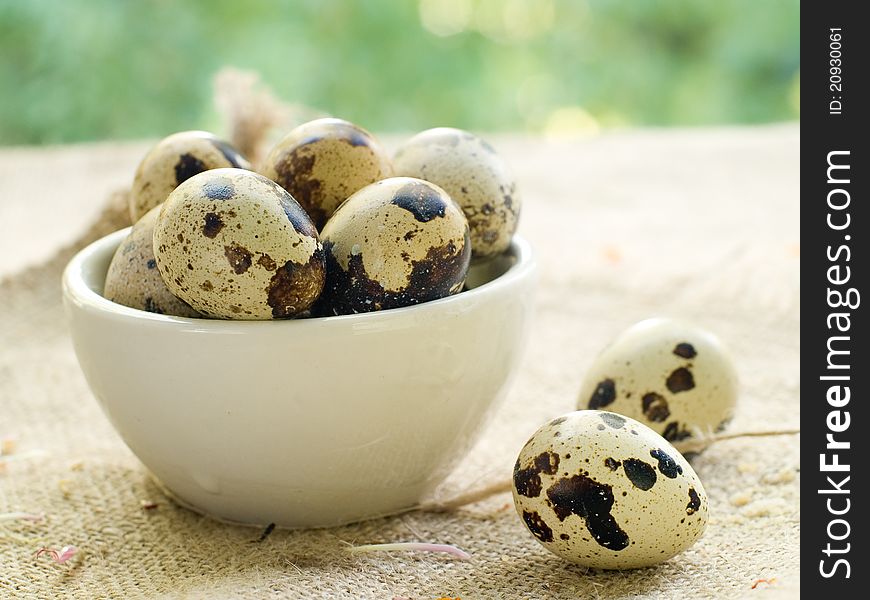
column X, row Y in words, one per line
column 701, row 224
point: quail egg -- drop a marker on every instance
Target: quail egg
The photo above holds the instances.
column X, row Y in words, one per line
column 236, row 245
column 397, row 242
column 605, row 491
column 670, row 375
column 323, row 162
column 174, row 160
column 468, row 169
column 133, row 279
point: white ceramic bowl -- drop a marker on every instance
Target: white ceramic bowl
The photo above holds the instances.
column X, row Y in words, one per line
column 304, row 423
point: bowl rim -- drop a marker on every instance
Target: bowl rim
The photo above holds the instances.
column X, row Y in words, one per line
column 80, row 293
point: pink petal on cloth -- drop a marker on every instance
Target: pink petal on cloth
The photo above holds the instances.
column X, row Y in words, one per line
column 58, row 556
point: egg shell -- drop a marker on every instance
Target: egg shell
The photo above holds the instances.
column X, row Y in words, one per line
column 471, row 172
column 672, row 376
column 323, row 162
column 605, row 491
column 233, row 244
column 397, row 242
column 173, row 161
column 133, row 278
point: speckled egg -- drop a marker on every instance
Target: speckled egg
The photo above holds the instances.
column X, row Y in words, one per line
column 133, row 278
column 468, row 169
column 605, row 491
column 397, row 242
column 173, row 161
column 323, row 162
column 670, row 375
column 236, row 245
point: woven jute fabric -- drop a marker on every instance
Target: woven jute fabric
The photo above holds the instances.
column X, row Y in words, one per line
column 701, row 224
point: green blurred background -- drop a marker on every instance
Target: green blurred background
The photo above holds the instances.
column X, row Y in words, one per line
column 73, row 70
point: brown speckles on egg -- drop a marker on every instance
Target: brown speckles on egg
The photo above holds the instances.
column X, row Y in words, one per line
column 547, row 462
column 348, row 290
column 604, row 505
column 248, row 259
column 538, row 526
column 474, row 176
column 323, row 162
column 694, row 502
column 440, row 272
column 421, row 200
column 604, row 394
column 667, row 465
column 641, row 474
column 528, row 480
column 267, row 262
column 583, row 496
column 133, row 279
column 655, row 407
column 186, row 167
column 371, row 262
column 685, row 350
column 174, row 160
column 680, row 380
column 240, row 258
column 212, row 226
column 295, row 285
column 674, row 433
column 299, row 219
column 295, row 173
column 666, row 372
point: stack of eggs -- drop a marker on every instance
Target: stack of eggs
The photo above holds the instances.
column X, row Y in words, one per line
column 327, row 225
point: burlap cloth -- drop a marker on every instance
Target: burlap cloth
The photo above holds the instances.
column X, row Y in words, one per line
column 696, row 223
